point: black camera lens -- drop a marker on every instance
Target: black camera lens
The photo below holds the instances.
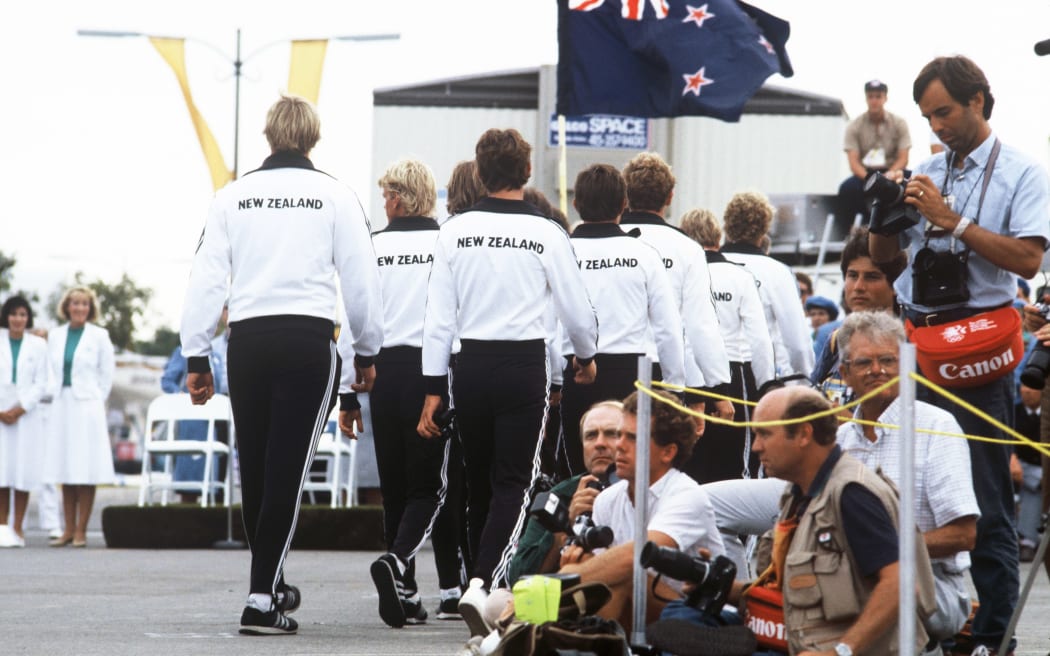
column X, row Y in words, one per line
column 880, row 188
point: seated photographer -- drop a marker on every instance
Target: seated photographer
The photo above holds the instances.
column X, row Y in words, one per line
column 539, row 549
column 680, row 515
column 835, row 549
column 946, row 508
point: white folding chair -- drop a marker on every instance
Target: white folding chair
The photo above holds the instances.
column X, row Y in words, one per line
column 338, row 455
column 162, row 441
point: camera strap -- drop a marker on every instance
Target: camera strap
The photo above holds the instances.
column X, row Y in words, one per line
column 989, row 167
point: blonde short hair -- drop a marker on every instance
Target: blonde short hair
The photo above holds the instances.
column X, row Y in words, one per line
column 748, row 217
column 63, row 305
column 413, row 181
column 649, row 182
column 292, row 125
column 702, row 226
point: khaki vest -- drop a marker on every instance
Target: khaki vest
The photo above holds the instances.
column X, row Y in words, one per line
column 823, row 591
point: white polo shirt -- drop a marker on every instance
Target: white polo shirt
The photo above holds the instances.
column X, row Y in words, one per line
column 678, row 507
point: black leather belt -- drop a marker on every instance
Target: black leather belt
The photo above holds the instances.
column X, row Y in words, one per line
column 921, row 319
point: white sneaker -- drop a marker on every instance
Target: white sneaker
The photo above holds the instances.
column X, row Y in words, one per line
column 7, row 536
column 472, row 608
column 55, row 533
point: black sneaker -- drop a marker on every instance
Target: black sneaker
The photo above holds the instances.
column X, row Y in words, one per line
column 288, row 601
column 256, row 622
column 449, row 609
column 388, row 584
column 414, row 611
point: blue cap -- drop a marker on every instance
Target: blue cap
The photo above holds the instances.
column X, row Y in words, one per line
column 823, row 303
column 1023, row 284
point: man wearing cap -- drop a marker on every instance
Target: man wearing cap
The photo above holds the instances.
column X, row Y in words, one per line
column 821, row 310
column 875, row 141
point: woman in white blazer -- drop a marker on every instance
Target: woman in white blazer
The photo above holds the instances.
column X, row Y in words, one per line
column 24, row 374
column 78, row 454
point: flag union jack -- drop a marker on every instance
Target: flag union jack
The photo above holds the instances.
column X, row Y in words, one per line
column 665, row 58
column 630, row 9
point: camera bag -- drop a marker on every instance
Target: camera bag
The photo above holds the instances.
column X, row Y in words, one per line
column 969, row 352
column 576, row 626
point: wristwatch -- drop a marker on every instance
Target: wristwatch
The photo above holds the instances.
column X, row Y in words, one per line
column 842, row 649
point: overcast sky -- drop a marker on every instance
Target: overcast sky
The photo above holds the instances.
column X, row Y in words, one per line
column 102, row 171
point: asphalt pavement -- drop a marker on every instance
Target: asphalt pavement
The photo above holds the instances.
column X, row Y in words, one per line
column 167, row 602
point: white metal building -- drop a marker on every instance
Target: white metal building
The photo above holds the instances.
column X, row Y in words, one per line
column 787, row 144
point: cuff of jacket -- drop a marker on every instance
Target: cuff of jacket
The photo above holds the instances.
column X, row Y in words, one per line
column 436, row 385
column 349, row 402
column 364, row 361
column 198, row 364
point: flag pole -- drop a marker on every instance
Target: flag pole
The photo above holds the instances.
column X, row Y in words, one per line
column 563, row 168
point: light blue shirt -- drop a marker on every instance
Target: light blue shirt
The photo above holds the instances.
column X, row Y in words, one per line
column 1017, row 204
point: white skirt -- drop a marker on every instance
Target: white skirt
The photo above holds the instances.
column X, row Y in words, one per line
column 22, row 452
column 78, row 451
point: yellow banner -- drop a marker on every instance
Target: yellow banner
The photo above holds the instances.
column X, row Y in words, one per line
column 174, row 52
column 304, row 73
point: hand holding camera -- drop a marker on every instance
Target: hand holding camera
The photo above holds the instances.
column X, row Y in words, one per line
column 583, row 499
column 925, row 196
column 553, row 514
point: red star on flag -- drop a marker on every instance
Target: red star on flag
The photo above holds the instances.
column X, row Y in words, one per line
column 694, row 82
column 698, row 15
column 766, row 44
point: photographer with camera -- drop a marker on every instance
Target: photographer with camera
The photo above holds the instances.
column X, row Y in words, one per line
column 983, row 221
column 680, row 515
column 539, row 549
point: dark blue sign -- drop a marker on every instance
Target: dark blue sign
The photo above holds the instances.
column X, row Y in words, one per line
column 602, row 131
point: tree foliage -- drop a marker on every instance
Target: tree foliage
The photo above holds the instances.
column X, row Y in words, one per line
column 163, row 343
column 120, row 305
column 7, row 265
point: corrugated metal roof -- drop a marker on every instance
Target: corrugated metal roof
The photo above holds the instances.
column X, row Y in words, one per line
column 520, row 90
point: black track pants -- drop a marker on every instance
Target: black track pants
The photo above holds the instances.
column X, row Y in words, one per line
column 412, row 470
column 283, row 373
column 500, row 393
column 724, row 452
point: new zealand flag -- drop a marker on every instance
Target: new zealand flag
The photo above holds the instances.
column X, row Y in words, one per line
column 665, row 58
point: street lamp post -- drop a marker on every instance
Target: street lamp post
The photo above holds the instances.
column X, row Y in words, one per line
column 237, row 63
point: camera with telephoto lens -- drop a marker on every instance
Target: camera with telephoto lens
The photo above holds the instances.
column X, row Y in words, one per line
column 890, row 215
column 553, row 514
column 1037, row 366
column 712, row 578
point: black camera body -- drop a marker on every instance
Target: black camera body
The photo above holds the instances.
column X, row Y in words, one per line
column 713, row 578
column 446, row 421
column 890, row 215
column 553, row 514
column 939, row 277
column 1037, row 366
